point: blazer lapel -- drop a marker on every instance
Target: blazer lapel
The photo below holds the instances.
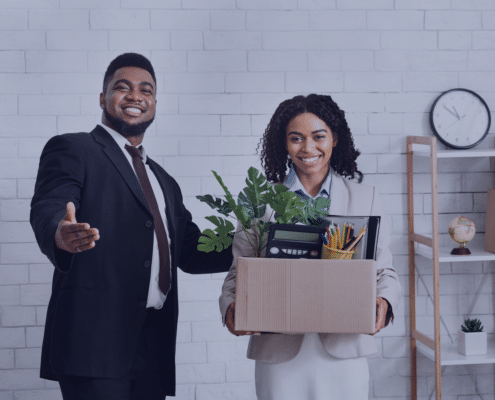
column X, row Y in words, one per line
column 339, row 196
column 169, row 195
column 115, row 154
column 166, row 188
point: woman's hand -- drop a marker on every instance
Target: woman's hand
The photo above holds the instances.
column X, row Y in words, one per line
column 381, row 313
column 230, row 322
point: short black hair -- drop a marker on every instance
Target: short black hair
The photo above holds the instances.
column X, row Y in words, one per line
column 127, row 60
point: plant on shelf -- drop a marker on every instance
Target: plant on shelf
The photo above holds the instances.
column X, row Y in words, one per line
column 472, row 325
column 471, row 340
column 251, row 206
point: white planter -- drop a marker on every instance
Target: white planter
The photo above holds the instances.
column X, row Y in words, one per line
column 471, row 343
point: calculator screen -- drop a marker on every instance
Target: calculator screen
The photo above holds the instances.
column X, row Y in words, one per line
column 296, row 236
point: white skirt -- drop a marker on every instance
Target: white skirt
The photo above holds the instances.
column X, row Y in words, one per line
column 313, row 375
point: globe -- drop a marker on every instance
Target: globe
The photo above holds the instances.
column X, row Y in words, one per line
column 461, row 230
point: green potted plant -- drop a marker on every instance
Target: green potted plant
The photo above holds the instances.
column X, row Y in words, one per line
column 471, row 340
column 249, row 210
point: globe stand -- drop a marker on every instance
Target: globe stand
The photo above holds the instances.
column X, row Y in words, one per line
column 460, row 251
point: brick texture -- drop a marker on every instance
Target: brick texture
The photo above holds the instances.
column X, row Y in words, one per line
column 223, row 67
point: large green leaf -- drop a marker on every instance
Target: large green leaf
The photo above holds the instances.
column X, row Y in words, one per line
column 228, row 196
column 210, row 241
column 254, row 209
column 282, row 203
column 223, row 226
column 251, row 197
column 241, row 214
column 220, row 205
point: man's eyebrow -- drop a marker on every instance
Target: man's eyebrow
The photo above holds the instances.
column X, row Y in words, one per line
column 127, row 82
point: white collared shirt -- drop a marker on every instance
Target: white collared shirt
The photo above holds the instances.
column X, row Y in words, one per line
column 155, row 297
column 293, row 183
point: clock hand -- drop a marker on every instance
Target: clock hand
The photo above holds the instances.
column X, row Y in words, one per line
column 456, row 113
column 450, row 111
column 455, row 122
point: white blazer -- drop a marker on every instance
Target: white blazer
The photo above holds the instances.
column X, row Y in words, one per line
column 347, row 198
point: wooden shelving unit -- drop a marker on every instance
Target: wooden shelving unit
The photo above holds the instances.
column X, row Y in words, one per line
column 441, row 354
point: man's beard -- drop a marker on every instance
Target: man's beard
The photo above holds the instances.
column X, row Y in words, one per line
column 125, row 129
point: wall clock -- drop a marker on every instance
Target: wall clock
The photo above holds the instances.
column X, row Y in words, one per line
column 460, row 118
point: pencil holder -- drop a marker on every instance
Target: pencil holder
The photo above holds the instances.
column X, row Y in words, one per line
column 335, row 254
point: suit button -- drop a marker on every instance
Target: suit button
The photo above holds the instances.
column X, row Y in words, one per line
column 142, row 304
column 147, row 263
column 148, row 224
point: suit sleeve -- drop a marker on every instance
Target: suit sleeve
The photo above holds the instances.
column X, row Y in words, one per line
column 388, row 285
column 60, row 180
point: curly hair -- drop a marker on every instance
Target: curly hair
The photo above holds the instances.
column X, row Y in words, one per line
column 274, row 156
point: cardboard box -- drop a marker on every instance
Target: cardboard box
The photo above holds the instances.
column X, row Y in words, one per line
column 490, row 222
column 296, row 296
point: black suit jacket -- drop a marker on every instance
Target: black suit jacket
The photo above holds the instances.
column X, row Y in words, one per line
column 99, row 296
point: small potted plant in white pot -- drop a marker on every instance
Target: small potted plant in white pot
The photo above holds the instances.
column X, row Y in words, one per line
column 471, row 340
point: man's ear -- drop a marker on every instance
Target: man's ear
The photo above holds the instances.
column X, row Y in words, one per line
column 102, row 100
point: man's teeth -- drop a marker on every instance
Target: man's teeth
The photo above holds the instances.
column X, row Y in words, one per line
column 134, row 110
column 310, row 159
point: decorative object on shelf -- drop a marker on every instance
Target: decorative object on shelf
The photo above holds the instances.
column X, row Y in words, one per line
column 461, row 230
column 471, row 340
column 460, row 118
column 288, row 207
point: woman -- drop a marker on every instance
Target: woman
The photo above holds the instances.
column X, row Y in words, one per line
column 309, row 137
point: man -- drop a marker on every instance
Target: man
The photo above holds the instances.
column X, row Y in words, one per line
column 114, row 225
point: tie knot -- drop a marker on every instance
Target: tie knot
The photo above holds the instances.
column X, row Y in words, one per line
column 133, row 151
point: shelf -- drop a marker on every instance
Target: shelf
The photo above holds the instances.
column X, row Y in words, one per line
column 450, row 356
column 422, row 152
column 444, row 255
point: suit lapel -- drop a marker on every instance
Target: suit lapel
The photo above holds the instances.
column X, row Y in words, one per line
column 169, row 195
column 117, row 157
column 339, row 196
column 166, row 188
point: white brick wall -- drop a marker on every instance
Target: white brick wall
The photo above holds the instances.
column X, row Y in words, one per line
column 223, row 66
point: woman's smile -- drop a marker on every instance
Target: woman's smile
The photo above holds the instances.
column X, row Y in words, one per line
column 309, row 142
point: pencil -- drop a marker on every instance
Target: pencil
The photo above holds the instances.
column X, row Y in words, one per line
column 349, row 243
column 362, row 231
column 338, row 237
column 356, row 241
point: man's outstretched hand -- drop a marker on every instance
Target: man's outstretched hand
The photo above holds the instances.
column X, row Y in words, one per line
column 72, row 236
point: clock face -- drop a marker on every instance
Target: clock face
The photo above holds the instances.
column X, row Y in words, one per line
column 460, row 118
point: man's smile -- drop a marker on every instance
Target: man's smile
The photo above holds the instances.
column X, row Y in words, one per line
column 132, row 111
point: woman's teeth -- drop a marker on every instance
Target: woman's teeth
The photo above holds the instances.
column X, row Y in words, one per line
column 309, row 160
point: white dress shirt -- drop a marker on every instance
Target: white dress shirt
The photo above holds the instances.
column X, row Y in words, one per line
column 155, row 297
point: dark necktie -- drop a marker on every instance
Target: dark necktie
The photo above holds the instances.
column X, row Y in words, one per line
column 161, row 234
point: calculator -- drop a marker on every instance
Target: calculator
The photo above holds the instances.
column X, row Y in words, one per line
column 294, row 241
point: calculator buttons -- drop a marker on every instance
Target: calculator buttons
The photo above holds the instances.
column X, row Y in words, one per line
column 293, row 252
